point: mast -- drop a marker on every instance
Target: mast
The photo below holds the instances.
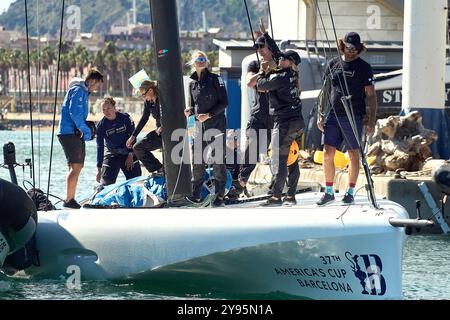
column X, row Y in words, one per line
column 171, row 97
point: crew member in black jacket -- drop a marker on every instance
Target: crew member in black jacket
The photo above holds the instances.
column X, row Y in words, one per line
column 285, row 107
column 153, row 140
column 208, row 101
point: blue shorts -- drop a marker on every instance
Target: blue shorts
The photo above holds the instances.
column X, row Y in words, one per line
column 334, row 136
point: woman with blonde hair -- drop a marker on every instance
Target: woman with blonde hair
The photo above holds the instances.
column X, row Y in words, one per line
column 114, row 129
column 148, row 91
column 208, row 101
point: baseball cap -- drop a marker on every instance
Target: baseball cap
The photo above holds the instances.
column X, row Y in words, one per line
column 354, row 39
column 291, row 55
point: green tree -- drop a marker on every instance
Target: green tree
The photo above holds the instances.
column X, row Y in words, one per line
column 123, row 65
column 109, row 55
column 47, row 62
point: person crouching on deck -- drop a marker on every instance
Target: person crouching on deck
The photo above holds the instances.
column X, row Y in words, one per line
column 153, row 140
column 114, row 128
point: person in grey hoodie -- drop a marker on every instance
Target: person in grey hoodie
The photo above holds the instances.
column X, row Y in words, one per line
column 74, row 131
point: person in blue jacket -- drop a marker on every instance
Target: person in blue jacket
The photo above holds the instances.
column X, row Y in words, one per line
column 74, row 131
column 114, row 129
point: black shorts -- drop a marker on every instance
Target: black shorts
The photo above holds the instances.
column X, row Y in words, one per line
column 74, row 148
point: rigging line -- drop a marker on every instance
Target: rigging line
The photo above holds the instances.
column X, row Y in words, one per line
column 29, row 93
column 329, row 67
column 324, row 29
column 56, row 98
column 37, row 91
column 251, row 31
column 370, row 189
column 345, row 99
column 270, row 18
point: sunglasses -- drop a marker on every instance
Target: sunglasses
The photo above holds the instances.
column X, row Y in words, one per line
column 286, row 59
column 200, row 59
column 260, row 46
column 350, row 47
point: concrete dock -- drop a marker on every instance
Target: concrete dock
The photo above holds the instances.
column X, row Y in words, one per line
column 401, row 188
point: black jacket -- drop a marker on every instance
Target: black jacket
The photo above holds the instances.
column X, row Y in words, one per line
column 284, row 101
column 149, row 108
column 207, row 94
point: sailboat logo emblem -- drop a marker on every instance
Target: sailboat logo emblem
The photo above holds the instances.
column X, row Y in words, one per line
column 370, row 278
column 162, row 52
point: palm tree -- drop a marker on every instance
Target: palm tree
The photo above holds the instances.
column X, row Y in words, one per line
column 14, row 59
column 148, row 63
column 47, row 59
column 99, row 62
column 122, row 66
column 65, row 68
column 135, row 61
column 4, row 68
column 109, row 54
column 72, row 55
column 213, row 57
column 82, row 57
column 34, row 60
column 22, row 65
column 186, row 58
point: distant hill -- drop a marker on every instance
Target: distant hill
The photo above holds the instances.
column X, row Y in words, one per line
column 99, row 15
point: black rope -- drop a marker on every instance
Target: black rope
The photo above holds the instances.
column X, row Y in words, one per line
column 29, row 93
column 324, row 29
column 251, row 31
column 370, row 187
column 270, row 18
column 56, row 99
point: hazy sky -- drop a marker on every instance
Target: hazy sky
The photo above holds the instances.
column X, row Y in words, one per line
column 4, row 4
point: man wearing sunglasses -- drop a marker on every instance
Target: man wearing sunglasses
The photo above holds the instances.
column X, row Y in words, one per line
column 337, row 124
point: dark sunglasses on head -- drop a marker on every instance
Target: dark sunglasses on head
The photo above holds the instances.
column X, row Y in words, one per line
column 200, row 59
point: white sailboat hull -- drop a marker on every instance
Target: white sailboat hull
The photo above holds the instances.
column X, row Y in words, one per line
column 332, row 252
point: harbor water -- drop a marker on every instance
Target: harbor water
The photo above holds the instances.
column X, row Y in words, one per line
column 425, row 265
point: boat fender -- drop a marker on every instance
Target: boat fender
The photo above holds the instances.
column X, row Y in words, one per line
column 17, row 222
column 442, row 177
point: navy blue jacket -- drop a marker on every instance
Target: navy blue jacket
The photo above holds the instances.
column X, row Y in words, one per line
column 116, row 134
